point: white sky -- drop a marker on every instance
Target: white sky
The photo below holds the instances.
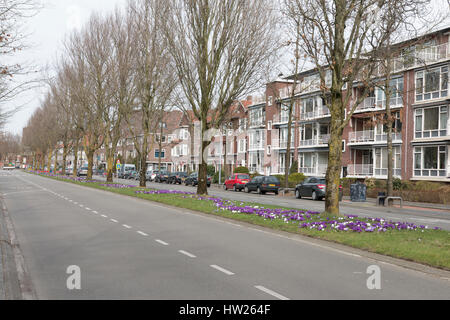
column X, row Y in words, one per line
column 47, row 30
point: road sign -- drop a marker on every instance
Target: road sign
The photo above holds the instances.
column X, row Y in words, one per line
column 118, row 166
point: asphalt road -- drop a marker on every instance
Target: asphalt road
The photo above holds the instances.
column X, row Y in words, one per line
column 419, row 216
column 127, row 248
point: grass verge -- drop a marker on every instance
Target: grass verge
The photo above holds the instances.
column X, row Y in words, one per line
column 425, row 246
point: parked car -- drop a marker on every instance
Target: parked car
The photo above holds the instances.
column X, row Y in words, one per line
column 263, row 184
column 177, row 178
column 161, row 177
column 151, row 175
column 192, row 180
column 314, row 188
column 237, row 182
column 82, row 171
column 125, row 171
column 135, row 176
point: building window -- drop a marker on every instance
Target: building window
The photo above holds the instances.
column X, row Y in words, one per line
column 432, row 84
column 396, row 87
column 381, row 161
column 157, row 154
column 430, row 161
column 431, row 122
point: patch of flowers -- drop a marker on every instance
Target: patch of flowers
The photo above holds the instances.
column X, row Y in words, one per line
column 117, row 186
column 310, row 220
column 153, row 192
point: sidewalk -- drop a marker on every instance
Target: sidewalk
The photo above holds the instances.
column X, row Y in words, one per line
column 416, row 205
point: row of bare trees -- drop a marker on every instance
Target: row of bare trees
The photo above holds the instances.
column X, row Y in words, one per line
column 120, row 73
column 352, row 40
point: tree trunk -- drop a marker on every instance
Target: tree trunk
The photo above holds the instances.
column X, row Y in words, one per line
column 75, row 161
column 90, row 157
column 202, row 188
column 56, row 162
column 49, row 160
column 142, row 177
column 110, row 167
column 334, row 167
column 64, row 161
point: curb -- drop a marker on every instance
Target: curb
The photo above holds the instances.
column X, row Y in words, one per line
column 15, row 279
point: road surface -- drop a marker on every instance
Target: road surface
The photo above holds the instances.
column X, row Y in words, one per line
column 127, row 248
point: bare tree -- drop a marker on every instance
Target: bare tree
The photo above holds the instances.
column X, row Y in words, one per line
column 341, row 38
column 89, row 52
column 153, row 78
column 13, row 14
column 400, row 20
column 221, row 49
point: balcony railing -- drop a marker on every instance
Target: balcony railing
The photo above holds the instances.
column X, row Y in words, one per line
column 319, row 171
column 257, row 123
column 371, row 104
column 322, row 140
column 370, row 136
column 360, row 170
column 425, row 56
column 282, row 144
column 318, row 113
column 281, row 118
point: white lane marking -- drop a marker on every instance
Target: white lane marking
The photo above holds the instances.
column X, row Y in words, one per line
column 94, row 212
column 114, row 220
column 227, row 272
column 88, row 209
column 190, row 255
column 127, row 226
column 162, row 242
column 104, row 216
column 142, row 233
column 272, row 293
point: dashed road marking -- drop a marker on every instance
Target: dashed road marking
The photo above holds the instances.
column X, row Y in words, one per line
column 223, row 270
column 142, row 233
column 272, row 293
column 162, row 242
column 190, row 255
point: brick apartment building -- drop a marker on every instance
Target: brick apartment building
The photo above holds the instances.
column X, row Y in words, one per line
column 255, row 133
column 420, row 103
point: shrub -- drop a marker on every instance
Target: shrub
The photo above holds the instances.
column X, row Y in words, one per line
column 295, row 179
column 294, row 168
column 216, row 177
column 211, row 171
column 242, row 170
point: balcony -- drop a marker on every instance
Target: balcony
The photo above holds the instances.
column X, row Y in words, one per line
column 259, row 146
column 419, row 58
column 320, row 141
column 371, row 104
column 257, row 123
column 364, row 137
column 360, row 170
column 317, row 171
column 316, row 114
column 281, row 144
column 282, row 118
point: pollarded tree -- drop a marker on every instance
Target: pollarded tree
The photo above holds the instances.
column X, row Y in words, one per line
column 153, row 77
column 221, row 49
column 341, row 37
column 89, row 55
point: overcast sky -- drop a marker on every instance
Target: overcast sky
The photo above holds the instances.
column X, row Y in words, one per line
column 47, row 30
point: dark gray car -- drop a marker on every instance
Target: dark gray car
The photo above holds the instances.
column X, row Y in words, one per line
column 314, row 188
column 263, row 184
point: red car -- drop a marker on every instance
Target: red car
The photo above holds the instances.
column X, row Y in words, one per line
column 237, row 182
